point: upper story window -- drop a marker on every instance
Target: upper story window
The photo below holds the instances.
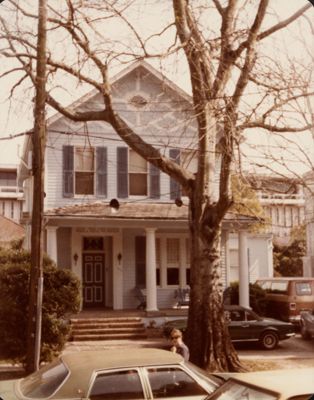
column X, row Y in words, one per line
column 7, row 178
column 188, row 160
column 137, row 174
column 84, row 170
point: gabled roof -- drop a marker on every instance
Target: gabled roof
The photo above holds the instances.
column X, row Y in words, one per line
column 124, row 72
column 167, row 83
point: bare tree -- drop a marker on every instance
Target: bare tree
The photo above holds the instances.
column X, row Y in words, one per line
column 225, row 61
column 39, row 142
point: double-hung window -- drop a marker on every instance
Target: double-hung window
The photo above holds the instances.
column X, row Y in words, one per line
column 137, row 174
column 84, row 164
column 84, row 171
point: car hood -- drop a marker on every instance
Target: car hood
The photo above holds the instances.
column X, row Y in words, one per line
column 7, row 391
column 282, row 381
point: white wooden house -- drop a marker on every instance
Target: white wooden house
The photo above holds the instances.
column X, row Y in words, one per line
column 111, row 217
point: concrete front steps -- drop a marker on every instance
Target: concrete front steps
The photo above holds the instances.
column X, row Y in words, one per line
column 123, row 328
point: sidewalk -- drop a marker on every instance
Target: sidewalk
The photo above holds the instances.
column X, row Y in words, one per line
column 255, row 359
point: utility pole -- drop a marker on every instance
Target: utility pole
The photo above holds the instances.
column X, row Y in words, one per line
column 38, row 140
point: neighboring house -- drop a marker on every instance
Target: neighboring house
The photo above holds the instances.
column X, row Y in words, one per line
column 10, row 231
column 283, row 202
column 114, row 219
column 308, row 260
column 11, row 196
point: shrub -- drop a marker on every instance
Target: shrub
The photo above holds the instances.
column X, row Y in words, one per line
column 258, row 301
column 61, row 297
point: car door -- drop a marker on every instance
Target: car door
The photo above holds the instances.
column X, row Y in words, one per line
column 122, row 384
column 238, row 325
column 174, row 383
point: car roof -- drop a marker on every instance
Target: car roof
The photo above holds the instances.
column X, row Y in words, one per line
column 287, row 382
column 113, row 358
column 82, row 364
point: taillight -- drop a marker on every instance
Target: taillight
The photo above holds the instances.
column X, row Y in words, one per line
column 293, row 306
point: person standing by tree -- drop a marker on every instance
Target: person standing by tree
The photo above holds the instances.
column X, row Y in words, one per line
column 178, row 346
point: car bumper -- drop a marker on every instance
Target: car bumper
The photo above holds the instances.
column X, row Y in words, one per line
column 287, row 335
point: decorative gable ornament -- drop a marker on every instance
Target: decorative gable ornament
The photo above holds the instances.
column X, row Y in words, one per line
column 138, row 101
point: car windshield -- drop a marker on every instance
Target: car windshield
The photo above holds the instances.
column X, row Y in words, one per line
column 233, row 390
column 43, row 383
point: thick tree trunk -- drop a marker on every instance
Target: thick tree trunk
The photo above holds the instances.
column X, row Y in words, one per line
column 208, row 337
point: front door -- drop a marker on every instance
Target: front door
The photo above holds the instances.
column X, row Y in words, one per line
column 93, row 280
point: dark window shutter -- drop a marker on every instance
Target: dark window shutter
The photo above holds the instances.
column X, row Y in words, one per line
column 122, row 172
column 140, row 261
column 154, row 181
column 68, row 173
column 175, row 188
column 101, row 171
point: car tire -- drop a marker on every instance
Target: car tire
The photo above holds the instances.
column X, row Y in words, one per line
column 269, row 340
column 304, row 333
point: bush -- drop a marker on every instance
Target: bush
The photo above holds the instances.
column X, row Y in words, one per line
column 288, row 259
column 61, row 297
column 258, row 301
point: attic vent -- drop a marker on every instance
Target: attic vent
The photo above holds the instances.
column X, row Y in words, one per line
column 138, row 101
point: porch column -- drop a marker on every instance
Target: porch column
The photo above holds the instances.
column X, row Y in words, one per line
column 52, row 243
column 117, row 271
column 244, row 298
column 151, row 284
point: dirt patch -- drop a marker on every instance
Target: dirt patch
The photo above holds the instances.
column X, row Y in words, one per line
column 264, row 365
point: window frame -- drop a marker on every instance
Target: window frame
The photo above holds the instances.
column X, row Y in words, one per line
column 132, row 173
column 142, row 378
column 75, row 171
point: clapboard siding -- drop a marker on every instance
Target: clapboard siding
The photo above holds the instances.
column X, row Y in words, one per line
column 158, row 121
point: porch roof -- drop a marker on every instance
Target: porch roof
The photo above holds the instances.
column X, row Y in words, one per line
column 134, row 211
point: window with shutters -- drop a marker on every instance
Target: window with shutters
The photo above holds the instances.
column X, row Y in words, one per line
column 84, row 164
column 138, row 174
column 84, row 171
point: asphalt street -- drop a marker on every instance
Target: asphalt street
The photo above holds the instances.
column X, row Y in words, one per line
column 292, row 353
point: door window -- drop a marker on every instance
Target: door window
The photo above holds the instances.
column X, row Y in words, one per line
column 122, row 385
column 167, row 383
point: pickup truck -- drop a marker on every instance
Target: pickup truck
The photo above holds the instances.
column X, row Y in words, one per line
column 307, row 324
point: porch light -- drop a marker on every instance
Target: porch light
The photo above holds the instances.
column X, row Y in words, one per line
column 178, row 202
column 114, row 205
column 75, row 258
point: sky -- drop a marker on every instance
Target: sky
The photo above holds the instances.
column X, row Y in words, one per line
column 16, row 115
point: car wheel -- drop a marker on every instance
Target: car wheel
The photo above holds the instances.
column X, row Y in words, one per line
column 304, row 333
column 269, row 340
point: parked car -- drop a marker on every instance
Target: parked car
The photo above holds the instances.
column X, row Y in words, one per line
column 245, row 325
column 284, row 384
column 307, row 324
column 288, row 296
column 114, row 374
